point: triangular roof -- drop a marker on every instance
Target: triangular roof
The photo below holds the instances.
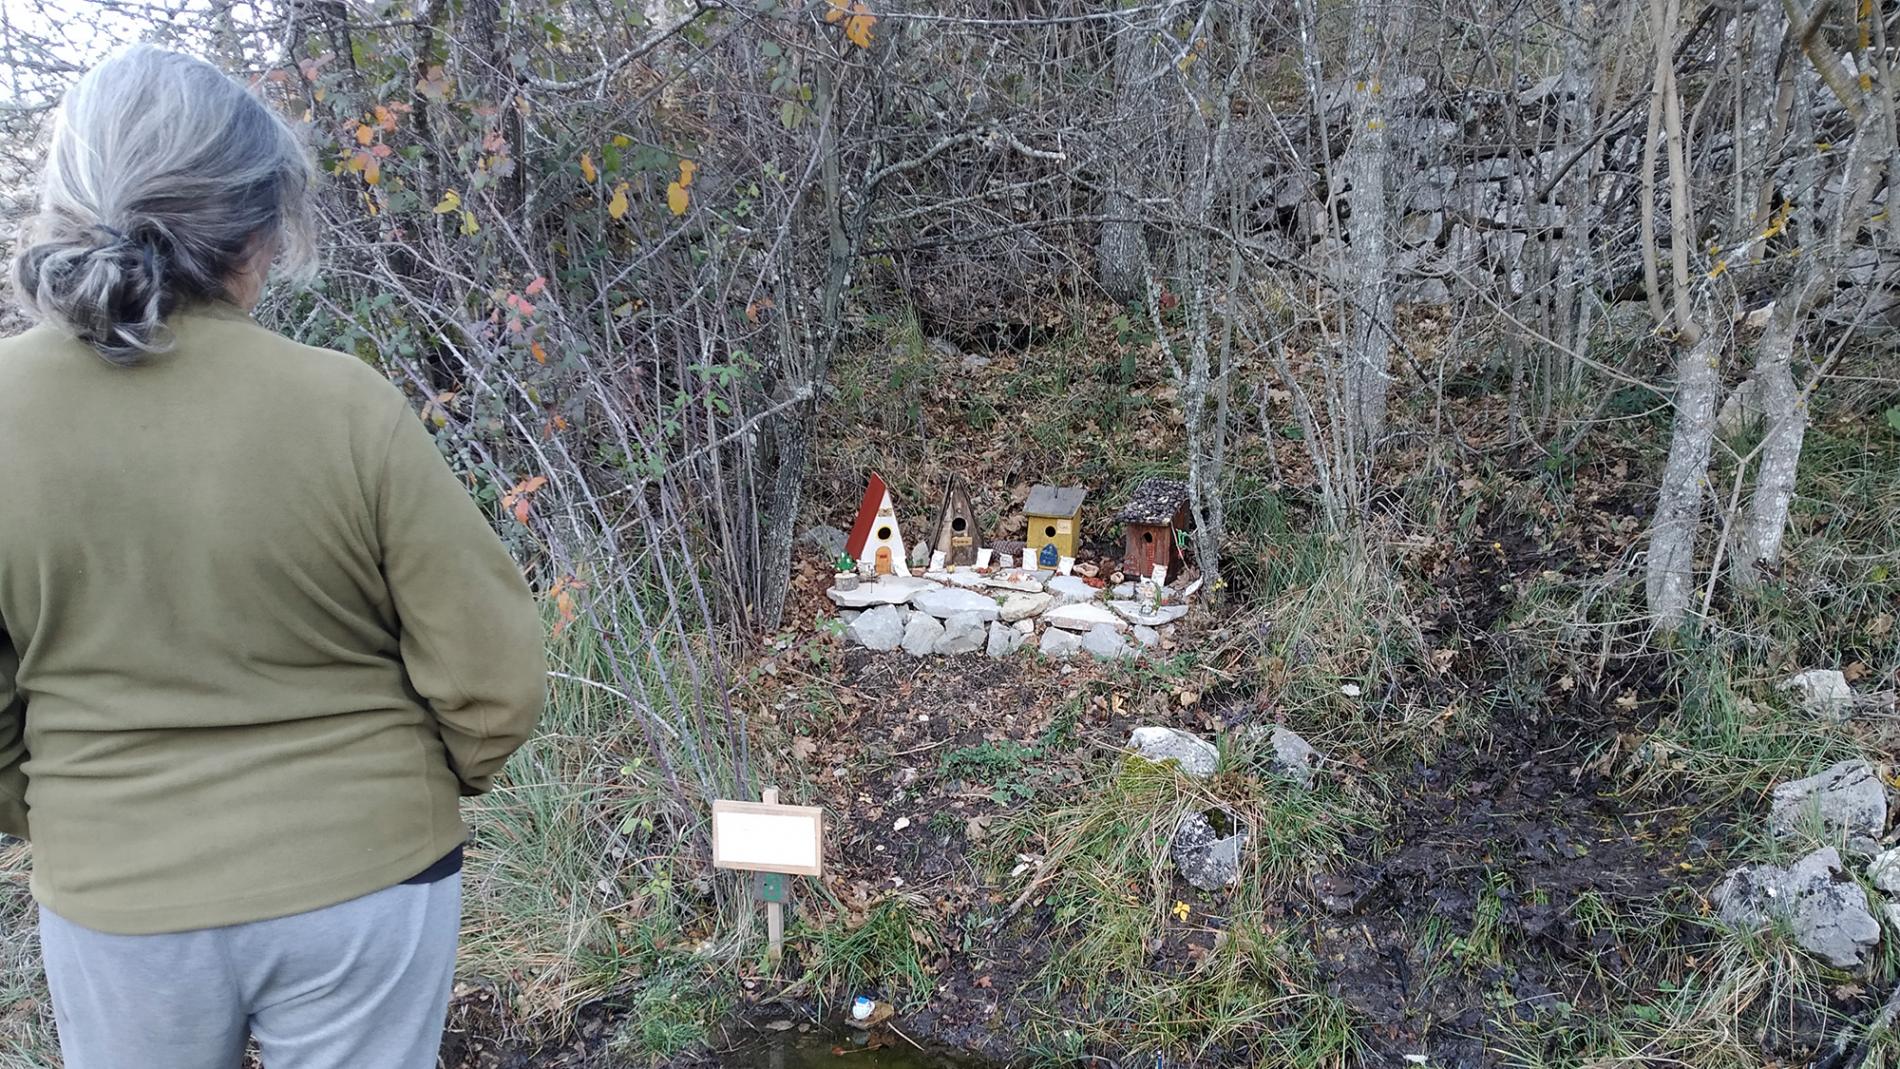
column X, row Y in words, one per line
column 1054, row 500
column 874, row 492
column 1155, row 502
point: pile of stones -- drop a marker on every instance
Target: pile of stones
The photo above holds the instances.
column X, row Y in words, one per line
column 1001, row 610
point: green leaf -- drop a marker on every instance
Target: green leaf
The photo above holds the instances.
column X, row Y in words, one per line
column 1893, row 419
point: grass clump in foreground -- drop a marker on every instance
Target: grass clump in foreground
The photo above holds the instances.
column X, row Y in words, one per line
column 1158, row 975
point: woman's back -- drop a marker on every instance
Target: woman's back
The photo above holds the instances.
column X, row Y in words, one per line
column 241, row 586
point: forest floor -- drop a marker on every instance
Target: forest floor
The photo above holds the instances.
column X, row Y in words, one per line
column 1522, row 807
column 1524, row 801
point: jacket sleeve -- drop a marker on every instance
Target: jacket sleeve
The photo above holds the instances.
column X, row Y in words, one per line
column 470, row 633
column 12, row 743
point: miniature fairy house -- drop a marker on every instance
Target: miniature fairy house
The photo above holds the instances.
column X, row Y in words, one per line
column 1054, row 514
column 957, row 536
column 875, row 540
column 1155, row 512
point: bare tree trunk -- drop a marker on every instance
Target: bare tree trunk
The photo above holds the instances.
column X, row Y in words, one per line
column 1121, row 249
column 1369, row 228
column 1670, row 585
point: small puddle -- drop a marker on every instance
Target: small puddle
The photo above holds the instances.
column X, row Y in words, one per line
column 810, row 1050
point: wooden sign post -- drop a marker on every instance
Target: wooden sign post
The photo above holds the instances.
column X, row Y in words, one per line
column 772, row 840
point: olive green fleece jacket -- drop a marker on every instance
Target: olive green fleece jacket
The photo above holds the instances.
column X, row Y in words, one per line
column 255, row 638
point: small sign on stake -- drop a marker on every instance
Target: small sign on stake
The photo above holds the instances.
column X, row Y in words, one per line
column 772, row 840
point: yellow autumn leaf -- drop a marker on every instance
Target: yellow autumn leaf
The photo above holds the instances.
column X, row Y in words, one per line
column 587, row 168
column 618, row 206
column 373, row 171
column 837, row 10
column 1180, row 911
column 859, row 28
column 469, row 225
column 687, row 170
column 450, row 202
column 364, row 134
column 676, row 198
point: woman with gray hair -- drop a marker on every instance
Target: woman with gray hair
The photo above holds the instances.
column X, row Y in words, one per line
column 255, row 639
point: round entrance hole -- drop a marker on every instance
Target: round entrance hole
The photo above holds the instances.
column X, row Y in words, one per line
column 1049, row 532
column 883, row 534
column 957, row 524
column 1147, row 536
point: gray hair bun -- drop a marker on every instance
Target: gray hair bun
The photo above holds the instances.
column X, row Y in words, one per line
column 164, row 179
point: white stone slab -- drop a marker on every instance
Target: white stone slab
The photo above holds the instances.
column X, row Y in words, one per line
column 945, row 602
column 1019, row 606
column 1013, row 581
column 889, row 590
column 1068, row 590
column 1084, row 617
column 1147, row 615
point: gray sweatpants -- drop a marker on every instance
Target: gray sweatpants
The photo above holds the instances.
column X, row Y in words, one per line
column 359, row 985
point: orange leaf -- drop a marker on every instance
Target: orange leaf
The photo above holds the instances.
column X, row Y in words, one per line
column 687, row 170
column 364, row 134
column 540, row 354
column 373, row 171
column 676, row 198
column 534, row 288
column 587, row 168
column 837, row 10
column 521, row 510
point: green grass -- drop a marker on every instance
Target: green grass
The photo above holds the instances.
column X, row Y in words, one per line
column 1103, row 885
column 884, row 952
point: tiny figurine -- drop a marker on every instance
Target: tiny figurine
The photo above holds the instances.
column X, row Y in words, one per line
column 875, row 542
column 956, row 532
column 1155, row 517
column 1053, row 513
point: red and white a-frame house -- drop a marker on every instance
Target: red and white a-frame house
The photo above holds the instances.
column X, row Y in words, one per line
column 875, row 539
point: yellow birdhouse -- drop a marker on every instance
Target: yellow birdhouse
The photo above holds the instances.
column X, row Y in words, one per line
column 1055, row 518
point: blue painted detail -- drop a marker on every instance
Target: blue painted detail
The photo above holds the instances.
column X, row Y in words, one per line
column 1049, row 557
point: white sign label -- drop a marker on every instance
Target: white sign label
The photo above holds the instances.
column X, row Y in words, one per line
column 936, row 560
column 1161, row 575
column 1066, row 565
column 983, row 557
column 755, row 837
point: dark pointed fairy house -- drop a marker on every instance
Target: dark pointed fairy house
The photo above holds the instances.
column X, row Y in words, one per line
column 1155, row 517
column 1054, row 515
column 875, row 540
column 957, row 536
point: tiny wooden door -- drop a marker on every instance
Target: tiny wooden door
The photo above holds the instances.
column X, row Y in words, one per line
column 1049, row 556
column 883, row 560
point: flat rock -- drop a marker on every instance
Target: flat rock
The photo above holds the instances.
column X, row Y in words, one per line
column 1013, row 580
column 1004, row 640
column 889, row 590
column 1148, row 615
column 1060, row 644
column 1147, row 636
column 1069, row 589
column 1884, row 871
column 1205, row 858
column 877, row 628
column 1825, row 911
column 919, row 554
column 1020, row 606
column 1122, row 591
column 963, row 632
column 1196, row 756
column 945, row 602
column 1293, row 757
column 1083, row 617
column 921, row 633
column 1824, row 693
column 1847, row 799
column 1026, row 626
column 964, row 576
column 828, row 540
column 1107, row 644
